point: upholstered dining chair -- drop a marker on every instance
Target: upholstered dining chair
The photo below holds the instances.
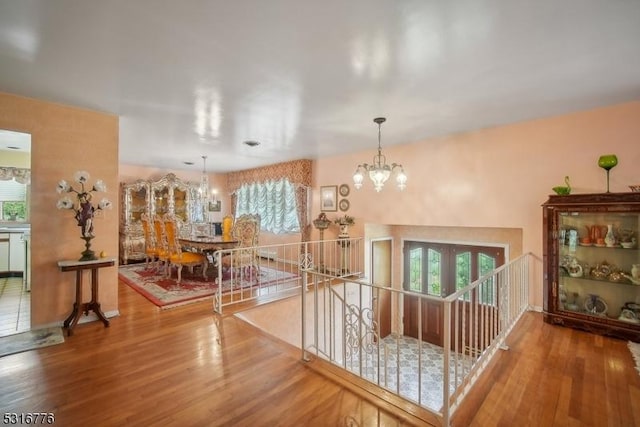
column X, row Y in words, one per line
column 161, row 244
column 178, row 257
column 151, row 248
column 246, row 231
column 227, row 226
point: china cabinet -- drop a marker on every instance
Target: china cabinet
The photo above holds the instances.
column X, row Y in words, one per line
column 592, row 263
column 168, row 195
column 172, row 195
column 134, row 201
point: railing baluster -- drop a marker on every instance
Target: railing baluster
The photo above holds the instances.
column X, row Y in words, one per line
column 477, row 318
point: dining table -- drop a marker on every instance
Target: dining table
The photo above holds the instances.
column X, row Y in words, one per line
column 208, row 243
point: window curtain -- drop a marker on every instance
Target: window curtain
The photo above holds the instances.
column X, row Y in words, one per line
column 298, row 173
column 21, row 175
column 276, row 203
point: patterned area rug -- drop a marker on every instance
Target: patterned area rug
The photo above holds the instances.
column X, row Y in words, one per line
column 634, row 347
column 30, row 340
column 166, row 293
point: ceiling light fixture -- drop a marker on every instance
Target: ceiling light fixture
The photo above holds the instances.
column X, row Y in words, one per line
column 379, row 171
column 251, row 143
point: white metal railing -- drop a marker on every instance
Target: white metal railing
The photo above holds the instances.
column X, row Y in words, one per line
column 273, row 271
column 341, row 320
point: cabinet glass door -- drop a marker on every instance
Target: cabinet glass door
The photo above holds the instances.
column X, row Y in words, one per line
column 161, row 196
column 138, row 203
column 599, row 264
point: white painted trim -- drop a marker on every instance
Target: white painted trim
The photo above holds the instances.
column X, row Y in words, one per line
column 505, row 247
column 83, row 319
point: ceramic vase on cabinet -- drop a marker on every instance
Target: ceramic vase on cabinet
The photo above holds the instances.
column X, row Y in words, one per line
column 610, row 238
column 635, row 271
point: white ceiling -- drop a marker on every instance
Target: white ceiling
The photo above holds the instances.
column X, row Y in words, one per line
column 306, row 78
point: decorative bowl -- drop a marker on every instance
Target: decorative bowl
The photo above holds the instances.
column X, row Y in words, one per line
column 635, row 188
column 563, row 191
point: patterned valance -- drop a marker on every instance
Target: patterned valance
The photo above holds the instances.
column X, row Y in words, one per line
column 297, row 172
column 21, row 175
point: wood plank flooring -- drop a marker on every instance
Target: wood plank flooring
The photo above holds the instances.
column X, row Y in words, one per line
column 188, row 367
column 179, row 367
column 555, row 376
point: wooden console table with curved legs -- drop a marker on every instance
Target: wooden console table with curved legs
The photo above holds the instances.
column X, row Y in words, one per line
column 79, row 306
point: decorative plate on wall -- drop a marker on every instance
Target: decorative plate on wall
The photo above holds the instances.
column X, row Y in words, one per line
column 344, row 205
column 344, row 190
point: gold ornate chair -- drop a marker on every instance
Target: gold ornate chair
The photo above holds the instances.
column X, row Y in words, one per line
column 151, row 249
column 161, row 243
column 227, row 226
column 246, row 231
column 176, row 256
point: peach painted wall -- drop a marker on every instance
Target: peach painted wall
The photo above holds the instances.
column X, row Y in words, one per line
column 63, row 140
column 493, row 178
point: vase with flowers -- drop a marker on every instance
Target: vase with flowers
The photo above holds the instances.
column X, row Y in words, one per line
column 344, row 222
column 83, row 207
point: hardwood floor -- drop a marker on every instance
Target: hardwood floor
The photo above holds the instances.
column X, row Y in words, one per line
column 555, row 376
column 187, row 366
column 178, row 367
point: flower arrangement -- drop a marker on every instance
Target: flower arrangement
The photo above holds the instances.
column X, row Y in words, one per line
column 84, row 209
column 345, row 220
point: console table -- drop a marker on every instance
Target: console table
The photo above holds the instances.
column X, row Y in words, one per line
column 79, row 306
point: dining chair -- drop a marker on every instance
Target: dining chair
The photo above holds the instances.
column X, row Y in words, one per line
column 151, row 249
column 227, row 226
column 178, row 257
column 244, row 259
column 161, row 244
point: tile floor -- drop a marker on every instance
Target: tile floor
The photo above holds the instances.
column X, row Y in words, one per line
column 397, row 369
column 15, row 306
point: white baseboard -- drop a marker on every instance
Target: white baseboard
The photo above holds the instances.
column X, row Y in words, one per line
column 92, row 317
column 267, row 254
column 535, row 308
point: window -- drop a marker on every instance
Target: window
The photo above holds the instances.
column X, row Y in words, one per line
column 13, row 196
column 432, row 268
column 274, row 201
column 447, row 268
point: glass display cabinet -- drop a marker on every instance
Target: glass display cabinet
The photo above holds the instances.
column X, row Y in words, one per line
column 134, row 201
column 168, row 195
column 172, row 195
column 592, row 263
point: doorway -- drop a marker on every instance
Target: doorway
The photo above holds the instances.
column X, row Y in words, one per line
column 15, row 232
column 381, row 275
column 438, row 270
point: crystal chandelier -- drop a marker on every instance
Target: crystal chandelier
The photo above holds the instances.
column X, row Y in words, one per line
column 204, row 181
column 379, row 171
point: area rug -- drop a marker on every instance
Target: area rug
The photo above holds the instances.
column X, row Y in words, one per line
column 30, row 340
column 166, row 293
column 635, row 352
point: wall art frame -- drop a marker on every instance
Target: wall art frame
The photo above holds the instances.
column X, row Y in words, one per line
column 329, row 198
